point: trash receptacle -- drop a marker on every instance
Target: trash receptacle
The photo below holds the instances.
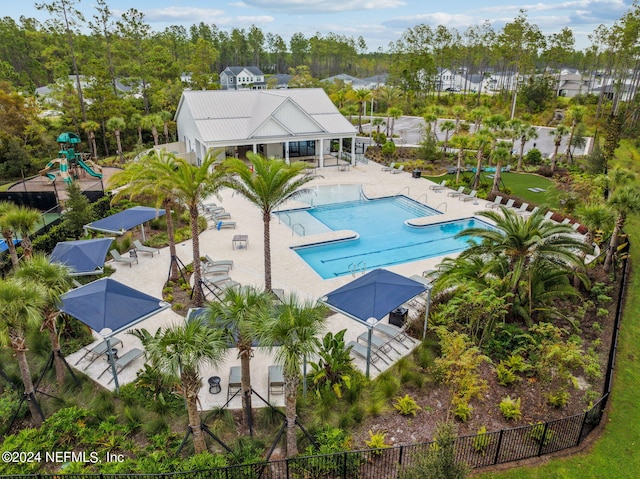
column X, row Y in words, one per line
column 416, row 173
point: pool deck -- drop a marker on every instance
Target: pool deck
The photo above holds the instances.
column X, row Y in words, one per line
column 289, row 271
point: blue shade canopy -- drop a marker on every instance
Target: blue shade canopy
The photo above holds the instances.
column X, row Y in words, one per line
column 3, row 245
column 108, row 304
column 373, row 295
column 83, row 257
column 125, row 220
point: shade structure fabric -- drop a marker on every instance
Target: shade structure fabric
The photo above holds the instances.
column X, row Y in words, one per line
column 106, row 304
column 373, row 295
column 125, row 220
column 83, row 257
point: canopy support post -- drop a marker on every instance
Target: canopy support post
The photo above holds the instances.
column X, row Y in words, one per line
column 426, row 312
column 113, row 364
column 369, row 350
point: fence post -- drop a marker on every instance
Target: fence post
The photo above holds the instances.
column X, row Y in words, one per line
column 543, row 438
column 344, row 466
column 286, row 462
column 495, row 459
column 584, row 422
column 401, row 454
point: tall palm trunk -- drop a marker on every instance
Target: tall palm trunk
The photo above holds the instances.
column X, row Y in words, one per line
column 266, row 218
column 245, row 383
column 459, row 165
column 50, row 325
column 519, row 165
column 191, row 385
column 172, row 240
column 554, row 160
column 197, row 270
column 495, row 189
column 154, row 132
column 29, row 391
column 8, row 239
column 27, row 248
column 119, row 144
column 476, row 179
column 291, row 392
column 613, row 244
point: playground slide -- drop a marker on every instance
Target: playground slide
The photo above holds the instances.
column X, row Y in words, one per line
column 50, row 172
column 51, row 176
column 88, row 168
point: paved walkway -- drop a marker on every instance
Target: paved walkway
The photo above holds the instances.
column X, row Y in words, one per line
column 289, row 271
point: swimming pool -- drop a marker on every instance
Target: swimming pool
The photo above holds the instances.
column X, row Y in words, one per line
column 384, row 238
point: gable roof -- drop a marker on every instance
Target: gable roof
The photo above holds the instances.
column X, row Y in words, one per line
column 237, row 70
column 229, row 116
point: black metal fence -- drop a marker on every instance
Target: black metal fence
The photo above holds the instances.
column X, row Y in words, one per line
column 478, row 450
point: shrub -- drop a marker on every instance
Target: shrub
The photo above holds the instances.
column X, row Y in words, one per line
column 482, row 441
column 406, row 405
column 539, row 435
column 559, row 399
column 462, row 411
column 506, row 376
column 376, row 441
column 510, row 408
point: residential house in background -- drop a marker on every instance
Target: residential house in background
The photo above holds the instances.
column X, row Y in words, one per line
column 242, row 78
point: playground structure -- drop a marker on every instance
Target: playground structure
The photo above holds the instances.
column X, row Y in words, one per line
column 69, row 162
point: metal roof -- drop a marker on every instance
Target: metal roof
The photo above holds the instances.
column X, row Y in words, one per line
column 228, row 116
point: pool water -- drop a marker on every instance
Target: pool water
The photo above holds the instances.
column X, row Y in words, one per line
column 384, row 239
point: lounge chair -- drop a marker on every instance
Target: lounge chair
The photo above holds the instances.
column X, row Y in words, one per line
column 361, row 351
column 526, row 214
column 510, row 203
column 276, row 381
column 575, row 226
column 523, row 208
column 393, row 332
column 380, row 344
column 235, row 381
column 97, row 350
column 397, row 170
column 441, row 186
column 566, row 221
column 469, row 197
column 496, row 202
column 214, row 270
column 388, row 168
column 124, row 361
column 548, row 215
column 219, row 262
column 225, row 224
column 145, row 249
column 459, row 192
column 122, row 259
column 220, row 216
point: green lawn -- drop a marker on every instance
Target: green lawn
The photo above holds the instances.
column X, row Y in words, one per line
column 519, row 184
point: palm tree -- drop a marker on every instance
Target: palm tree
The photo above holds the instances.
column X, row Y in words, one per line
column 516, row 245
column 477, row 115
column 576, row 114
column 560, row 132
column 458, row 112
column 267, row 184
column 135, row 121
column 623, row 201
column 191, row 185
column 90, row 127
column 447, row 126
column 24, row 221
column 500, row 154
column 482, row 138
column 56, row 280
column 360, row 96
column 238, row 312
column 152, row 122
column 20, row 309
column 294, row 328
column 7, row 209
column 166, row 119
column 116, row 124
column 526, row 133
column 377, row 122
column 152, row 175
column 393, row 113
column 461, row 142
column 182, row 351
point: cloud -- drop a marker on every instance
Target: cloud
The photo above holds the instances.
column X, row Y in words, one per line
column 255, row 19
column 313, row 7
column 183, row 14
column 238, row 5
column 451, row 20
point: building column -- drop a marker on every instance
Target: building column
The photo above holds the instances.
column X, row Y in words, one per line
column 286, row 153
column 353, row 151
column 255, row 148
column 340, row 149
column 321, row 156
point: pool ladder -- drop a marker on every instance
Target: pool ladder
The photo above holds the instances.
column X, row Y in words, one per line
column 293, row 229
column 355, row 267
column 444, row 203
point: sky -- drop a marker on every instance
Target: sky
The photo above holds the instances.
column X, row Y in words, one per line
column 379, row 22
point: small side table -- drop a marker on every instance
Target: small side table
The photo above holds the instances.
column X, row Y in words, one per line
column 214, row 385
column 240, row 241
column 133, row 253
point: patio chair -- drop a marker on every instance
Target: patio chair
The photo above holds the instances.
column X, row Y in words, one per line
column 469, row 197
column 145, row 249
column 219, row 262
column 122, row 259
column 526, row 214
column 441, row 186
column 276, row 381
column 510, row 203
column 398, row 170
column 219, row 216
column 496, row 202
column 458, row 192
column 548, row 215
column 235, row 381
column 575, row 226
column 566, row 221
column 361, row 351
column 123, row 361
column 225, row 224
column 97, row 350
column 523, row 208
column 214, row 270
column 393, row 332
column 388, row 168
column 380, row 344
